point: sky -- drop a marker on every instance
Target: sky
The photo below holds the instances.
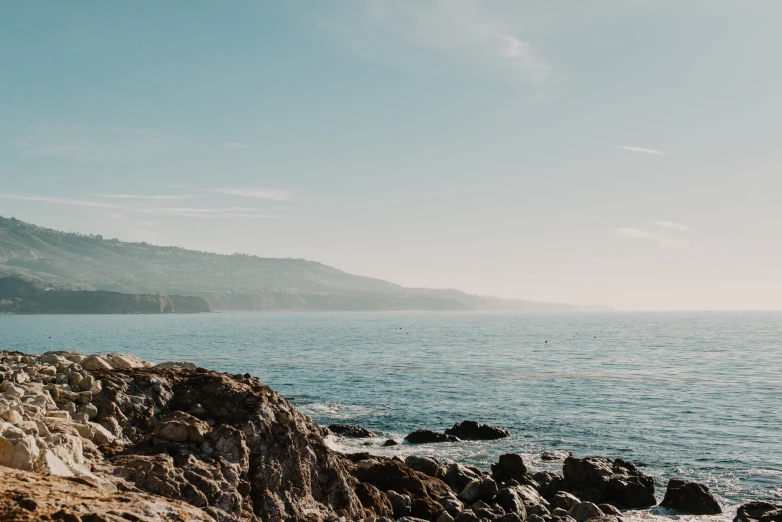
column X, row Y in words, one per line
column 613, row 152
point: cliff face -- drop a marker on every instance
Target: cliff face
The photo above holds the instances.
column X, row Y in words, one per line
column 27, row 296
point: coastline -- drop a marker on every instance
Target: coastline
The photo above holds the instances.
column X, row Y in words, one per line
column 231, row 448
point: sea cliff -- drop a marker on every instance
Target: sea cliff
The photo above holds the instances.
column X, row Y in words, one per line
column 20, row 295
column 112, row 437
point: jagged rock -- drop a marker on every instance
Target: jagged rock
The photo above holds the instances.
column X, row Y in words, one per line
column 389, row 475
column 250, row 464
column 428, row 436
column 584, row 511
column 690, row 497
column 759, row 511
column 618, row 481
column 509, row 467
column 564, row 500
column 471, row 430
column 353, row 432
column 427, row 465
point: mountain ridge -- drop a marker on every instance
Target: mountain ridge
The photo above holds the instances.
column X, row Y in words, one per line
column 226, row 281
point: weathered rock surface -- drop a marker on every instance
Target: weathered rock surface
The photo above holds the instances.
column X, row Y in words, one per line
column 28, row 497
column 471, row 430
column 690, row 497
column 759, row 511
column 618, row 482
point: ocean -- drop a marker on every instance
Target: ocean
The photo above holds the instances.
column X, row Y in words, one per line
column 690, row 395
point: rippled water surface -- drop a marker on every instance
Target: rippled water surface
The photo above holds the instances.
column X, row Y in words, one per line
column 694, row 395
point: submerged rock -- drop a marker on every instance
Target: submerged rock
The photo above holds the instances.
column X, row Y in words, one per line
column 471, row 430
column 353, row 432
column 690, row 497
column 428, row 436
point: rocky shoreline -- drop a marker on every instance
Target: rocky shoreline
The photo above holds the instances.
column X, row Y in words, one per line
column 112, row 437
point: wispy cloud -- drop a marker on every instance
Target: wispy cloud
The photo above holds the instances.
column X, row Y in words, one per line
column 116, row 211
column 59, row 201
column 234, row 145
column 483, row 34
column 653, row 152
column 662, row 241
column 142, row 196
column 255, row 193
column 671, row 225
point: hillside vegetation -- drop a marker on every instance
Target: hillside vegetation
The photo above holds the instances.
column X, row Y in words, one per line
column 226, row 282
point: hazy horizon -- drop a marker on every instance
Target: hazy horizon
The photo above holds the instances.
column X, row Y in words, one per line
column 624, row 153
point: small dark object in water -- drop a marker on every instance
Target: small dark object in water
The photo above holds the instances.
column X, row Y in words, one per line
column 390, row 442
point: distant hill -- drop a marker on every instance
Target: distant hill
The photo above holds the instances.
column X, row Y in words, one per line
column 226, row 282
column 26, row 295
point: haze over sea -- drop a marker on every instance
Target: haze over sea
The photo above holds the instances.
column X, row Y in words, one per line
column 691, row 395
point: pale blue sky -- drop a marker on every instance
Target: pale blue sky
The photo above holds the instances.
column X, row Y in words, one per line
column 618, row 152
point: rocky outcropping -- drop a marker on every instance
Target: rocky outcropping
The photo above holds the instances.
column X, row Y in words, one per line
column 428, row 436
column 471, row 430
column 613, row 481
column 111, row 437
column 353, row 432
column 690, row 497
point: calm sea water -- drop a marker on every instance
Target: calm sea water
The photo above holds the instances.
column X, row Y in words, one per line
column 692, row 395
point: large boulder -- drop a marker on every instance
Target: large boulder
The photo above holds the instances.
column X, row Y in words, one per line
column 353, row 432
column 483, row 489
column 509, row 467
column 428, row 465
column 759, row 511
column 690, row 497
column 471, row 430
column 428, row 436
column 618, row 481
column 458, row 476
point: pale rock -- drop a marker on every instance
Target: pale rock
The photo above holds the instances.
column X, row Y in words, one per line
column 50, row 463
column 95, row 362
column 57, row 414
column 12, row 416
column 20, row 453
